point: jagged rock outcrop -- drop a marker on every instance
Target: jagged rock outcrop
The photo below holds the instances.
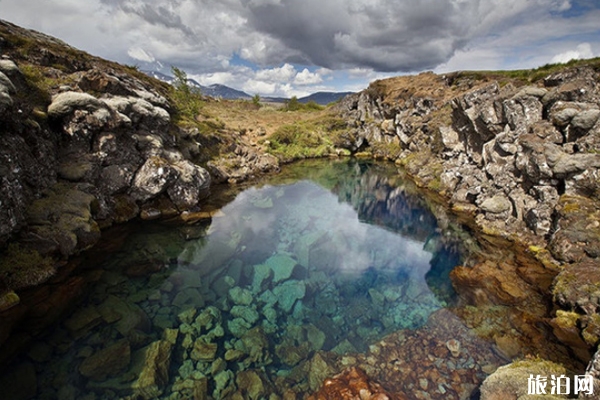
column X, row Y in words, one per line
column 83, row 147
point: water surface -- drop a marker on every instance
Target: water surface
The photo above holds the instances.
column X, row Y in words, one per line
column 326, row 256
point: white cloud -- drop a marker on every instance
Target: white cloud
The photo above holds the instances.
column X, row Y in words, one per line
column 252, row 86
column 305, row 77
column 140, row 54
column 583, row 50
column 284, row 73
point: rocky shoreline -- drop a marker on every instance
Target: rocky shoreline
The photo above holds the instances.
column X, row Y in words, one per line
column 520, row 163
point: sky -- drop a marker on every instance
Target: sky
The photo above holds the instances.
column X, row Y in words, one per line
column 297, row 47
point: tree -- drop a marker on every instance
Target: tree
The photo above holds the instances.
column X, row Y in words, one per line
column 256, row 100
column 293, row 104
column 181, row 80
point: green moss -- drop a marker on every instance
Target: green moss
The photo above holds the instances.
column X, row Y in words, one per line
column 390, row 151
column 21, row 267
column 298, row 141
column 566, row 319
column 591, row 333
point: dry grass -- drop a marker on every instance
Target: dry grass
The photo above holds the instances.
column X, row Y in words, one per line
column 256, row 123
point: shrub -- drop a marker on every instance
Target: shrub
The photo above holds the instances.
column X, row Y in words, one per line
column 291, row 142
column 188, row 99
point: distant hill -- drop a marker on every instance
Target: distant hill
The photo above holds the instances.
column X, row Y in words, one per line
column 225, row 92
column 216, row 90
column 324, row 98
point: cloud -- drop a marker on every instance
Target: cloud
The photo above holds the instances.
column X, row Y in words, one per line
column 138, row 53
column 307, row 78
column 277, row 39
column 584, row 50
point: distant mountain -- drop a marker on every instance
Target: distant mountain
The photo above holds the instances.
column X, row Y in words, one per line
column 324, row 98
column 217, row 91
column 225, row 92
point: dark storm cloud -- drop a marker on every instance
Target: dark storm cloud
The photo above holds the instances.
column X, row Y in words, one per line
column 390, row 35
column 209, row 36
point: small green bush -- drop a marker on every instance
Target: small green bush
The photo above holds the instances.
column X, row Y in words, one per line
column 292, row 142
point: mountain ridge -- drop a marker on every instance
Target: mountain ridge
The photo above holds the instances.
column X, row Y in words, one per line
column 220, row 91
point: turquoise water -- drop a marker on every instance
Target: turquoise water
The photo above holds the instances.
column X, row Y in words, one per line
column 326, row 256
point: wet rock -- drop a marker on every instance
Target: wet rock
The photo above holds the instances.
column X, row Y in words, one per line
column 248, row 314
column 256, row 345
column 250, row 385
column 6, row 89
column 352, row 384
column 222, row 384
column 109, row 361
column 318, row 370
column 282, row 266
column 8, row 300
column 62, row 221
column 511, row 381
column 240, row 296
column 82, row 321
column 203, row 351
column 155, row 371
column 288, row 293
column 126, row 316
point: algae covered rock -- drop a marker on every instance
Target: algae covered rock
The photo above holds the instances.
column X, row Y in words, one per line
column 155, row 371
column 109, row 361
column 62, row 221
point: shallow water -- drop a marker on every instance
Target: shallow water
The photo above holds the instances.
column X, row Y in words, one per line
column 326, row 256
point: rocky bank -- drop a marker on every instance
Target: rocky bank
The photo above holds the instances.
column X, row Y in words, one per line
column 86, row 144
column 518, row 161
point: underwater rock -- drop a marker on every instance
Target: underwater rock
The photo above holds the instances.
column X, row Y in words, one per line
column 344, row 347
column 250, row 385
column 222, row 380
column 353, row 384
column 262, row 202
column 203, row 351
column 256, row 345
column 238, row 327
column 288, row 292
column 187, row 316
column 82, row 321
column 109, row 361
column 306, row 243
column 318, row 370
column 262, row 274
column 155, row 371
column 249, row 314
column 189, row 297
column 240, row 296
column 207, row 319
column 282, row 266
column 126, row 316
column 454, row 346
